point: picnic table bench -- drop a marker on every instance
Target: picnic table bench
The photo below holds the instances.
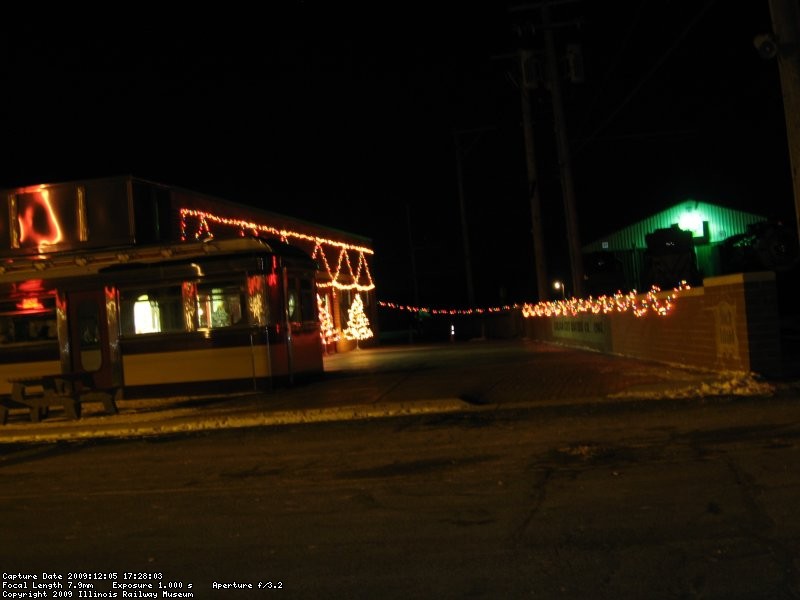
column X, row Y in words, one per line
column 67, row 390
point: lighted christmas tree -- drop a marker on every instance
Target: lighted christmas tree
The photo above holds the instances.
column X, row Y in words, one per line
column 327, row 330
column 357, row 322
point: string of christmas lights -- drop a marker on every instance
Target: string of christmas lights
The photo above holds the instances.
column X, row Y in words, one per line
column 360, row 280
column 327, row 330
column 448, row 311
column 639, row 305
column 357, row 322
column 354, row 277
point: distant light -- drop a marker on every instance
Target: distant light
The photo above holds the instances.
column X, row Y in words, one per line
column 691, row 221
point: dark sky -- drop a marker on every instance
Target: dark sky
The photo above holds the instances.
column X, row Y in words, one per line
column 347, row 118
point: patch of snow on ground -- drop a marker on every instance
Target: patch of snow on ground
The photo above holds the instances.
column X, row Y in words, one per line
column 741, row 384
column 729, row 384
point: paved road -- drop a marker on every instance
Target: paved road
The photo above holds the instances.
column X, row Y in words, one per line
column 691, row 498
column 391, row 381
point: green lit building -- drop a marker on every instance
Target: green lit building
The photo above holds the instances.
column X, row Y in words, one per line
column 689, row 241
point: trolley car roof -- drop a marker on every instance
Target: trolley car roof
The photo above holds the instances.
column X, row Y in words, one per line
column 78, row 264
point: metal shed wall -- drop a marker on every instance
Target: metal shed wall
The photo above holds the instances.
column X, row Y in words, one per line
column 723, row 223
column 629, row 244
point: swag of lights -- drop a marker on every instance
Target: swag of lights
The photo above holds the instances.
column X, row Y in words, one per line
column 362, row 270
column 638, row 305
column 448, row 311
column 360, row 279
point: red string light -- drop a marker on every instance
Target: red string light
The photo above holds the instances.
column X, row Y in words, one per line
column 639, row 305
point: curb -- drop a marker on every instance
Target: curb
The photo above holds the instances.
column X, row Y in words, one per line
column 196, row 423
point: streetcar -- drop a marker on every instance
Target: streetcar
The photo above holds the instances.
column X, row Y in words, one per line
column 200, row 317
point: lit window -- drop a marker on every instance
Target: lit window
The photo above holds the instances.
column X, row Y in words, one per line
column 146, row 315
column 219, row 306
column 154, row 310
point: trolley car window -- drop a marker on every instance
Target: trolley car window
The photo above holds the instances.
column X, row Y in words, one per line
column 300, row 299
column 307, row 304
column 152, row 310
column 30, row 320
column 219, row 305
column 181, row 308
column 146, row 315
column 257, row 302
column 88, row 315
column 292, row 304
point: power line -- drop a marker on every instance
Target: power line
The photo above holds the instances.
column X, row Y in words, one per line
column 640, row 84
column 617, row 59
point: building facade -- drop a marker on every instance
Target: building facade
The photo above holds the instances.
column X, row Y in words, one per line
column 127, row 278
column 688, row 241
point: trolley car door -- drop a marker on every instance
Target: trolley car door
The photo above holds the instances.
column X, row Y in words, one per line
column 89, row 335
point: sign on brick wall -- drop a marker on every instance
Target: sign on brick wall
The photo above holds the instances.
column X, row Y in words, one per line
column 725, row 330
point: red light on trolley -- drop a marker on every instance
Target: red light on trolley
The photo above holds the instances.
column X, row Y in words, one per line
column 38, row 222
column 30, row 304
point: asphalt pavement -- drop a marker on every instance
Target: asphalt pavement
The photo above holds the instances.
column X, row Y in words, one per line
column 392, row 381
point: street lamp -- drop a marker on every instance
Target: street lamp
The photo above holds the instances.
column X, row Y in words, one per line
column 559, row 285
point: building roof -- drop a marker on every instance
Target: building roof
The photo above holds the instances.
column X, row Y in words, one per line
column 702, row 218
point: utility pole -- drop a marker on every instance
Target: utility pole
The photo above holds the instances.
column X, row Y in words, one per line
column 414, row 278
column 786, row 27
column 460, row 154
column 564, row 157
column 412, row 250
column 562, row 142
column 464, row 229
column 533, row 181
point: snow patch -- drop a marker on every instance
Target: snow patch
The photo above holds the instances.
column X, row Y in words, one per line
column 729, row 384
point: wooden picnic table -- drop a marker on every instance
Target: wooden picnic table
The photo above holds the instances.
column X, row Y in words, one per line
column 67, row 390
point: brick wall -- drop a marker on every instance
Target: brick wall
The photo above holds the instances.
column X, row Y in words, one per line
column 730, row 323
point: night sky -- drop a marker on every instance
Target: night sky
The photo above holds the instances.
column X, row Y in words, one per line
column 348, row 119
